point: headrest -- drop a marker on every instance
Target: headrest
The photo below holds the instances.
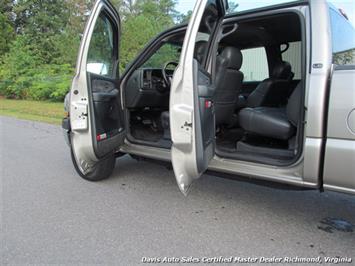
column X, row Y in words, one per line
column 282, row 70
column 200, row 50
column 233, row 57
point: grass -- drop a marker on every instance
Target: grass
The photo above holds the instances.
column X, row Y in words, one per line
column 47, row 112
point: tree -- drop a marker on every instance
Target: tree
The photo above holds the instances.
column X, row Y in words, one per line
column 143, row 20
column 41, row 21
column 6, row 9
column 344, row 57
column 18, row 61
column 67, row 42
column 78, row 11
column 131, row 42
column 7, row 35
column 161, row 11
column 185, row 18
column 39, row 40
column 232, row 7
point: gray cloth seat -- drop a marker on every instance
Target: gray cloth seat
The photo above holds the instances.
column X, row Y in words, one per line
column 278, row 123
column 228, row 83
column 274, row 90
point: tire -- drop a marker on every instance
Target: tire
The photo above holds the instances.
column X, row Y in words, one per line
column 101, row 171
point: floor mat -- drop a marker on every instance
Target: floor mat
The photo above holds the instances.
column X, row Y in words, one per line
column 227, row 140
column 146, row 133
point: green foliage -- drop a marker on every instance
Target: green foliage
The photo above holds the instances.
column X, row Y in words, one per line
column 41, row 21
column 185, row 18
column 49, row 112
column 50, row 82
column 66, row 46
column 166, row 53
column 23, row 76
column 344, row 58
column 40, row 63
column 14, row 70
column 132, row 43
column 6, row 8
column 101, row 45
column 6, row 34
column 160, row 11
column 39, row 41
column 143, row 20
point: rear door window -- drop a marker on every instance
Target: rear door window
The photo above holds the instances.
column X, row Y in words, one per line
column 293, row 56
column 255, row 65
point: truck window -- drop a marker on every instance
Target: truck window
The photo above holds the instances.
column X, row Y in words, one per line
column 101, row 51
column 293, row 56
column 343, row 39
column 166, row 53
column 255, row 66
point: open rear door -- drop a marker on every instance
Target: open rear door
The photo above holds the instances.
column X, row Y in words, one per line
column 191, row 99
column 96, row 116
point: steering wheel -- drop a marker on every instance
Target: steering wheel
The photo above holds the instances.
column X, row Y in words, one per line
column 168, row 77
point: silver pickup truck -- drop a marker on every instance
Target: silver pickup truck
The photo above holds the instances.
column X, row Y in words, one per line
column 267, row 93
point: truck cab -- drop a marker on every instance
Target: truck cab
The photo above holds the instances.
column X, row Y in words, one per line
column 267, row 93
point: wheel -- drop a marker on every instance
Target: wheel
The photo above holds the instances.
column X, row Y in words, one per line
column 102, row 169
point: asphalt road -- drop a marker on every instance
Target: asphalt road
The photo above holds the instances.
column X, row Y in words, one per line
column 51, row 216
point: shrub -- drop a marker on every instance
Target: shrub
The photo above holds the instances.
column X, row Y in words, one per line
column 13, row 70
column 50, row 82
column 22, row 76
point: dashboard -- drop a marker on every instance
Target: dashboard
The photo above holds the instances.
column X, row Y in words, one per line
column 147, row 88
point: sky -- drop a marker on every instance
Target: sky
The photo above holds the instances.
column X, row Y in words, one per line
column 347, row 5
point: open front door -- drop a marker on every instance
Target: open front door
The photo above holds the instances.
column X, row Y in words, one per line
column 191, row 99
column 96, row 116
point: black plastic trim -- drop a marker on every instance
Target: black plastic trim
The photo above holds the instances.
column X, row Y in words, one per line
column 66, row 124
column 325, row 129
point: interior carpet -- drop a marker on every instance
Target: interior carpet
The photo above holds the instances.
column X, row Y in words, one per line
column 227, row 140
column 146, row 133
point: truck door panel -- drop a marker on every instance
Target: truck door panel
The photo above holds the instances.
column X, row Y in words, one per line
column 339, row 163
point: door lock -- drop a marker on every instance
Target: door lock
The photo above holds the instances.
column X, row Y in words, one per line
column 79, row 115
